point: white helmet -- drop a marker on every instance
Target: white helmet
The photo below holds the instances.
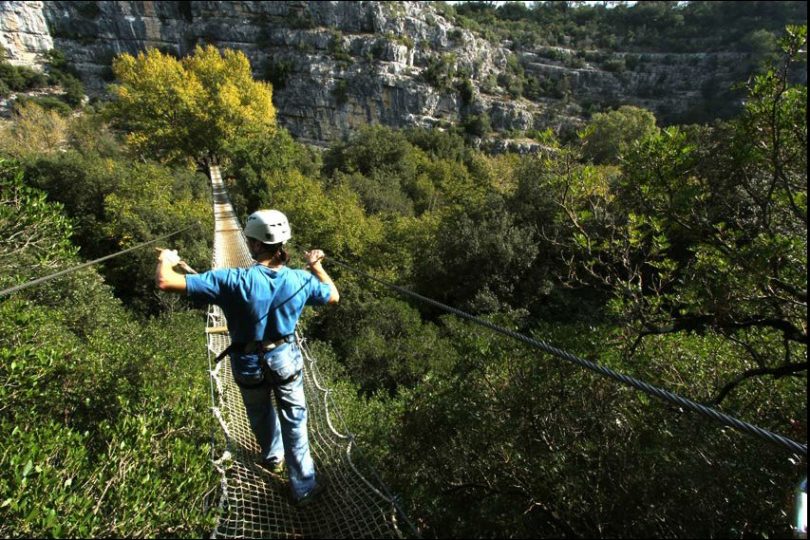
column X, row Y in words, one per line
column 268, row 226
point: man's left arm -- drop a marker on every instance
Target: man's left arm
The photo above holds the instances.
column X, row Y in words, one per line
column 166, row 278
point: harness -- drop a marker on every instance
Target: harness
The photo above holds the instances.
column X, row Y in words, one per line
column 254, row 346
column 264, row 346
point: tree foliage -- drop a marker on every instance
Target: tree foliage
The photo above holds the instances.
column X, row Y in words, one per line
column 707, row 228
column 34, row 131
column 34, row 233
column 99, row 428
column 114, row 202
column 189, row 108
column 609, row 134
column 644, row 26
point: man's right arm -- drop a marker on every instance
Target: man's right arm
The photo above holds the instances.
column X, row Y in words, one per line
column 166, row 278
column 314, row 262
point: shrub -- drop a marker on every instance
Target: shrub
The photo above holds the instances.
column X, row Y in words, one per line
column 477, row 125
column 341, row 91
column 615, row 65
column 49, row 103
column 277, row 72
column 466, row 90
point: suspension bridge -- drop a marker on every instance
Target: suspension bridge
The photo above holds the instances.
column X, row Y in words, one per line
column 255, row 504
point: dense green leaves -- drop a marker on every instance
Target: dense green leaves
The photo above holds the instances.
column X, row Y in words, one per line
column 609, row 134
column 100, row 433
column 643, row 26
column 34, row 233
column 57, row 72
column 116, row 202
column 677, row 256
column 98, row 437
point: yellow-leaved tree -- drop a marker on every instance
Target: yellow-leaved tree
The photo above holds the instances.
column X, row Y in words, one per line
column 188, row 108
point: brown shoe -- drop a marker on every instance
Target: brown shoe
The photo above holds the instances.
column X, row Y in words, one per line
column 272, row 466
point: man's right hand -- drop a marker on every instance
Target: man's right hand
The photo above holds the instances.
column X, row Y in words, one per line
column 166, row 278
column 314, row 256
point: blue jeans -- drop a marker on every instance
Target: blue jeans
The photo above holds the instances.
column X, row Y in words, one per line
column 280, row 430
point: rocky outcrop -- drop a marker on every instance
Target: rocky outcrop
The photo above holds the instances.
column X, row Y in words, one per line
column 24, row 35
column 339, row 65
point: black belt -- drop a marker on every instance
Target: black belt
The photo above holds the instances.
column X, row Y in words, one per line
column 255, row 346
column 268, row 378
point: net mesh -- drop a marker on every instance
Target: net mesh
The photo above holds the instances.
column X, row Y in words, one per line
column 253, row 502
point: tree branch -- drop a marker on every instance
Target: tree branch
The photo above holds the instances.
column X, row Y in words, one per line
column 778, row 372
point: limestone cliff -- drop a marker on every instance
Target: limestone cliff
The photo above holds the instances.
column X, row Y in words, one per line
column 24, row 35
column 339, row 65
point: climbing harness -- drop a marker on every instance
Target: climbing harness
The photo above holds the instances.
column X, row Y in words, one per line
column 254, row 346
column 260, row 347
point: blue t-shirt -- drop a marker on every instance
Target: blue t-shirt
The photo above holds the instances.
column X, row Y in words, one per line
column 259, row 303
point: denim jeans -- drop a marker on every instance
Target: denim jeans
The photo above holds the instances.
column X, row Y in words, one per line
column 280, row 427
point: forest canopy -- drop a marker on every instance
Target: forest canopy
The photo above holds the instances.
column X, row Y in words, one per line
column 677, row 255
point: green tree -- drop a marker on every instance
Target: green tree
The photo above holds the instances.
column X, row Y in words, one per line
column 99, row 430
column 189, row 108
column 479, row 258
column 34, row 131
column 706, row 230
column 33, row 232
column 117, row 203
column 609, row 134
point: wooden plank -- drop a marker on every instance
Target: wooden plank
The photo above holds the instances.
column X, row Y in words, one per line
column 216, row 330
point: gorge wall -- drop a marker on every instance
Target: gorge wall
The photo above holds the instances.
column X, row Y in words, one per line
column 339, row 65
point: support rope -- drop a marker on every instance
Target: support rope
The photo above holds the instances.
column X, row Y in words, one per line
column 89, row 263
column 649, row 389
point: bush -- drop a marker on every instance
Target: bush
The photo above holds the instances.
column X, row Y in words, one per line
column 341, row 91
column 98, row 428
column 21, row 78
column 74, row 90
column 89, row 10
column 278, row 72
column 48, row 103
column 455, row 35
column 466, row 90
column 440, row 71
column 615, row 65
column 337, row 49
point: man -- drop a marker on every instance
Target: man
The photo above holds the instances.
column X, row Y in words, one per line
column 262, row 305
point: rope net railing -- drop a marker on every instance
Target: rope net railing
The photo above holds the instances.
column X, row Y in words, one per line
column 254, row 503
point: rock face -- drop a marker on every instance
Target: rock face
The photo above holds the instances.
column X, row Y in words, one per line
column 339, row 65
column 24, row 34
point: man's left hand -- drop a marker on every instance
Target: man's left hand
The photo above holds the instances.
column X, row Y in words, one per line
column 169, row 256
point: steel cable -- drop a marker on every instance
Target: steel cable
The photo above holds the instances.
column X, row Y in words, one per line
column 607, row 372
column 89, row 263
